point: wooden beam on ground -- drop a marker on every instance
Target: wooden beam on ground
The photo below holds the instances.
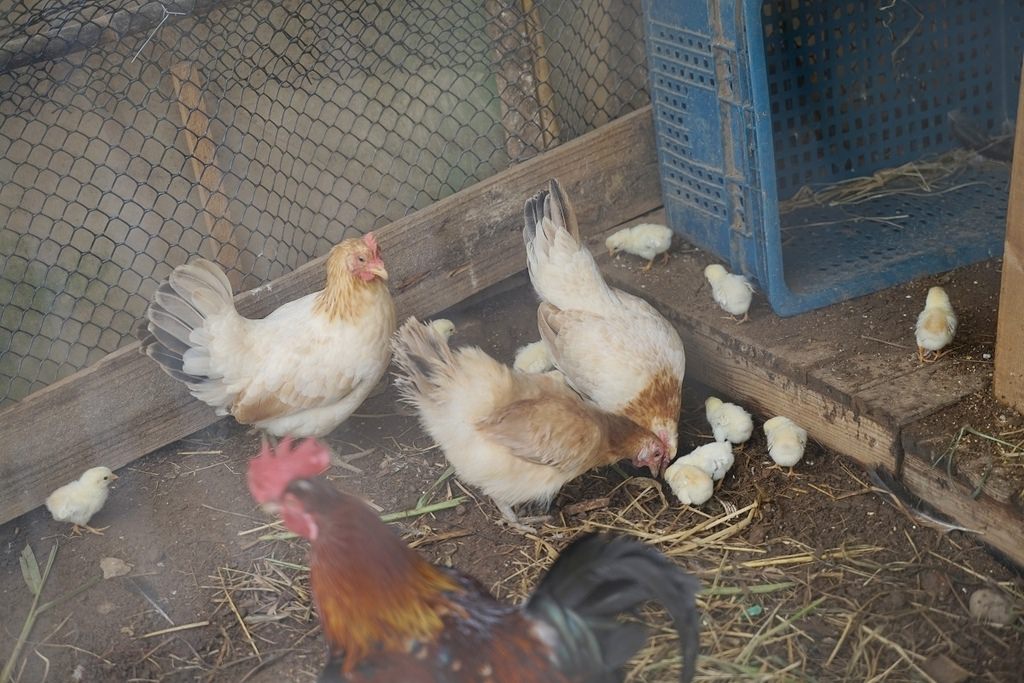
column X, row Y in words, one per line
column 123, row 406
column 997, row 523
column 1008, row 381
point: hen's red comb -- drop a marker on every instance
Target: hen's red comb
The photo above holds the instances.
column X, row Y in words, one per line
column 270, row 473
column 371, row 242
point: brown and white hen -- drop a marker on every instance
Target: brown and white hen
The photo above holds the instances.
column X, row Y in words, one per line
column 304, row 368
column 519, row 437
column 613, row 347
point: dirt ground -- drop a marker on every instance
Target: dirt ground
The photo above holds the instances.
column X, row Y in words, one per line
column 813, row 576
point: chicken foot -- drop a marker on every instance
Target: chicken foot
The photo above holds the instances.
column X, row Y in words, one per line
column 513, row 521
column 76, row 530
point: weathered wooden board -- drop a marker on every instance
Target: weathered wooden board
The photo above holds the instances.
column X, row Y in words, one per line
column 997, row 524
column 123, row 406
column 1008, row 381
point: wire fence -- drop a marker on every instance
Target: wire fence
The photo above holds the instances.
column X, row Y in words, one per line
column 137, row 135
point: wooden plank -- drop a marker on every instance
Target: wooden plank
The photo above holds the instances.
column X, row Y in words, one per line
column 999, row 525
column 123, row 406
column 189, row 85
column 1008, row 381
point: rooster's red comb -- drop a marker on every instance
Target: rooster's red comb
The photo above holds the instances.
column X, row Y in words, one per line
column 371, row 241
column 270, row 473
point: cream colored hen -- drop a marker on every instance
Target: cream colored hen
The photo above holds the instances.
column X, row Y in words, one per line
column 519, row 437
column 613, row 347
column 304, row 368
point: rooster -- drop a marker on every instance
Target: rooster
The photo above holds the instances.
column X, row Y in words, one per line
column 517, row 436
column 614, row 348
column 304, row 368
column 388, row 615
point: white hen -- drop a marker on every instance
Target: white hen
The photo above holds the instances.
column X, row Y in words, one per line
column 78, row 501
column 786, row 441
column 936, row 326
column 714, row 458
column 533, row 358
column 614, row 348
column 304, row 368
column 690, row 484
column 645, row 240
column 729, row 422
column 732, row 292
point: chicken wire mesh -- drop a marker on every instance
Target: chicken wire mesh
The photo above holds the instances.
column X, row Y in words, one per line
column 137, row 135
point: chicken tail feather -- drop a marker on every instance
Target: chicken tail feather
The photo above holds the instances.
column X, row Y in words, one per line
column 421, row 353
column 180, row 306
column 598, row 579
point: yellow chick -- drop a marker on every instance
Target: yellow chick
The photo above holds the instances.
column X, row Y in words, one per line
column 533, row 358
column 78, row 501
column 645, row 240
column 728, row 421
column 715, row 458
column 786, row 441
column 936, row 326
column 444, row 326
column 690, row 484
column 732, row 292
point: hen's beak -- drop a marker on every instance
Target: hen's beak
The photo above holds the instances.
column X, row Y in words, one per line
column 377, row 269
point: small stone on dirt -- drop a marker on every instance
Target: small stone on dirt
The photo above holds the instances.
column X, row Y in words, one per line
column 942, row 669
column 991, row 606
column 114, row 566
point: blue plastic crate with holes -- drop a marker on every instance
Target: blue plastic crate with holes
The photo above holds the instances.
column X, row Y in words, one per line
column 755, row 100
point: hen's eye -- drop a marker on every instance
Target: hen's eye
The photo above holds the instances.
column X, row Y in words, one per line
column 362, row 259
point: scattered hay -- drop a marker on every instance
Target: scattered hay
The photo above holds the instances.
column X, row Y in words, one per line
column 922, row 177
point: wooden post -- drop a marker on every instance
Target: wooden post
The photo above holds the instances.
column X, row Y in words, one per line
column 1008, row 380
column 188, row 89
column 522, row 73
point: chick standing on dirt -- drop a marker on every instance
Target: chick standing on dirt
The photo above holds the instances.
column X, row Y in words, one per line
column 786, row 441
column 78, row 501
column 732, row 292
column 936, row 326
column 645, row 240
column 728, row 421
column 533, row 358
column 690, row 484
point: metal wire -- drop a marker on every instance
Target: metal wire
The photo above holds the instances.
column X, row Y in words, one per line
column 136, row 135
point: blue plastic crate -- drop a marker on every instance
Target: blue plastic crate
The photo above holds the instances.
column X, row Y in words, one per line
column 753, row 100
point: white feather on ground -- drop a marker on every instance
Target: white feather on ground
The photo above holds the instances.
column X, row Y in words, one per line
column 729, row 422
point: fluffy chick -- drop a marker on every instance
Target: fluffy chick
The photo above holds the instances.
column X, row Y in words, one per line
column 78, row 501
column 533, row 358
column 645, row 240
column 444, row 326
column 936, row 326
column 732, row 292
column 715, row 459
column 786, row 441
column 690, row 484
column 728, row 421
